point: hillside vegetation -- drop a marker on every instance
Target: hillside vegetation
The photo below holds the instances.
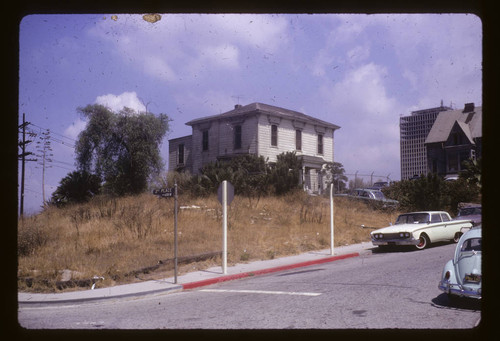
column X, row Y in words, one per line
column 131, row 238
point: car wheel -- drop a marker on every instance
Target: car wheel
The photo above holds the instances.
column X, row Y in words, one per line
column 423, row 241
column 457, row 236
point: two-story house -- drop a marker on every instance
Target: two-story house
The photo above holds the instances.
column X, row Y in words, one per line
column 456, row 136
column 258, row 129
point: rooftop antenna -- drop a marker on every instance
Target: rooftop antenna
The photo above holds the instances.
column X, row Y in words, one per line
column 237, row 97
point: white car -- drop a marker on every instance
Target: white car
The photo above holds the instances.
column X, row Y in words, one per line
column 420, row 229
column 462, row 275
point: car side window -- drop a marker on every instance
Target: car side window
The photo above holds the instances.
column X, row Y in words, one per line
column 471, row 245
column 435, row 218
column 445, row 217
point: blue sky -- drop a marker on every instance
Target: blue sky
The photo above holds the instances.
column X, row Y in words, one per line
column 361, row 72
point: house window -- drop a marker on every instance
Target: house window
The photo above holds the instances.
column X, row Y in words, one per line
column 274, row 135
column 320, row 144
column 180, row 154
column 204, row 142
column 237, row 137
column 298, row 139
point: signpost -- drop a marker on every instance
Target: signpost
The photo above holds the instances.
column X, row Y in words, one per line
column 331, row 219
column 168, row 193
column 165, row 192
column 225, row 194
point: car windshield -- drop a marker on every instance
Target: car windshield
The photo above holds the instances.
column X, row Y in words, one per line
column 473, row 244
column 412, row 218
column 469, row 211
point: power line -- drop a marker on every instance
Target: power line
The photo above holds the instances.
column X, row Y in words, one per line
column 52, row 132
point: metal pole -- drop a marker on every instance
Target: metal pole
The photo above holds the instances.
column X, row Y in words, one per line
column 21, row 209
column 175, row 232
column 224, row 227
column 331, row 219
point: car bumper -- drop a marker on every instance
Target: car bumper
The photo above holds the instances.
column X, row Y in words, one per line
column 411, row 241
column 459, row 290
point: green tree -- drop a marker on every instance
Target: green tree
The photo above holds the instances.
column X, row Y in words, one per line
column 432, row 192
column 121, row 148
column 334, row 173
column 285, row 176
column 76, row 187
column 248, row 174
column 472, row 172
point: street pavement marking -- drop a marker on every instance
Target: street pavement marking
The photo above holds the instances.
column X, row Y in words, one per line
column 264, row 292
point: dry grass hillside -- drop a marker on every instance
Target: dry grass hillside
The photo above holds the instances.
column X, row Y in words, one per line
column 131, row 239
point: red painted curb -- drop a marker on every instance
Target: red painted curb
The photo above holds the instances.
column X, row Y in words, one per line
column 210, row 281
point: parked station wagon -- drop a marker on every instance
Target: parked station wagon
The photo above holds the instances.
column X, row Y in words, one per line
column 420, row 229
column 462, row 275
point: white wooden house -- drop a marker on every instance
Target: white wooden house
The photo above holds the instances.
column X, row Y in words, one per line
column 258, row 129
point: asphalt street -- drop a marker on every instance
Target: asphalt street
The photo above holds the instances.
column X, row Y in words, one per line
column 376, row 290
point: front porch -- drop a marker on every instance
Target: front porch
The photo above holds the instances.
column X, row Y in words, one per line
column 311, row 177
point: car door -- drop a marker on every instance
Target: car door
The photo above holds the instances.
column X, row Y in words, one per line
column 451, row 228
column 436, row 230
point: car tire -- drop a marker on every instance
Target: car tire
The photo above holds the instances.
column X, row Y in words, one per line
column 423, row 242
column 457, row 236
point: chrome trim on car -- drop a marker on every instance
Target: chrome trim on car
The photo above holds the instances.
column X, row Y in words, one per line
column 459, row 290
column 398, row 241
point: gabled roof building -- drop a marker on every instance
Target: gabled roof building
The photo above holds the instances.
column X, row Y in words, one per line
column 258, row 129
column 456, row 136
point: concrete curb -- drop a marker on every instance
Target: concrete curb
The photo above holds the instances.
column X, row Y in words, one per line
column 210, row 281
column 152, row 287
column 99, row 298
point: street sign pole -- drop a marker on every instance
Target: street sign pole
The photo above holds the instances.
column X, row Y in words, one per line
column 175, row 232
column 224, row 227
column 331, row 219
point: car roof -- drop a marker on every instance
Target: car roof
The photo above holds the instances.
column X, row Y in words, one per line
column 427, row 212
column 475, row 232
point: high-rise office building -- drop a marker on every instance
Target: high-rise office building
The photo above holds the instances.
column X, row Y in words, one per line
column 413, row 132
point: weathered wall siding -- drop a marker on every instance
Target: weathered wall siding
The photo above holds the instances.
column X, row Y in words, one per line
column 221, row 141
column 201, row 157
column 248, row 136
column 286, row 140
column 173, row 150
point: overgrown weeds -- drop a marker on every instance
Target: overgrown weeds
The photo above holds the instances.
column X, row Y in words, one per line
column 116, row 237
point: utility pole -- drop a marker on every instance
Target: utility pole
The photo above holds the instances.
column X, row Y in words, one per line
column 23, row 159
column 44, row 144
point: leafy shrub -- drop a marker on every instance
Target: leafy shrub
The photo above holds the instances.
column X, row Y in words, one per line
column 250, row 175
column 76, row 187
column 432, row 192
column 285, row 176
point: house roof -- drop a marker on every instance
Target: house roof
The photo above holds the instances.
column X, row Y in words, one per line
column 469, row 122
column 264, row 109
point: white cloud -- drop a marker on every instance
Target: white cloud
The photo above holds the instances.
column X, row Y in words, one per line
column 157, row 67
column 118, row 102
column 187, row 43
column 75, row 128
column 222, row 56
column 369, row 136
column 358, row 54
column 258, row 30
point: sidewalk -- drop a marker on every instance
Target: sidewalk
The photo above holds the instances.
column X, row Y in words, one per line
column 198, row 278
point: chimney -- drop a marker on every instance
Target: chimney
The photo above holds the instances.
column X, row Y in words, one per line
column 237, row 106
column 469, row 107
